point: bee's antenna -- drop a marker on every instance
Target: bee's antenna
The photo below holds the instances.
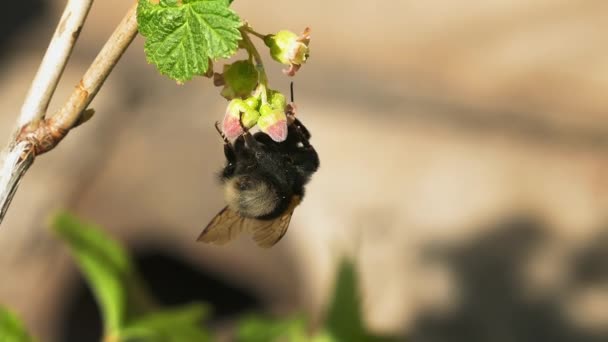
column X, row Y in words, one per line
column 291, row 90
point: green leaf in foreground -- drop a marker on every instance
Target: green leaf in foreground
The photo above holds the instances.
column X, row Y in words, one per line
column 105, row 265
column 170, row 325
column 262, row 329
column 11, row 329
column 344, row 320
column 183, row 36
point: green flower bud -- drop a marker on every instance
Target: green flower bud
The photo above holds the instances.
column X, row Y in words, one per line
column 277, row 100
column 266, row 109
column 252, row 102
column 250, row 118
column 238, row 114
column 273, row 122
column 239, row 79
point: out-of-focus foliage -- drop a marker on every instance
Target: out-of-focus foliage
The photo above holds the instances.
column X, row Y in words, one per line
column 11, row 328
column 128, row 311
column 344, row 321
column 104, row 264
column 262, row 329
column 131, row 315
column 170, row 325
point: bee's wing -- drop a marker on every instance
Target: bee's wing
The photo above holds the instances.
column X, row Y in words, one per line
column 266, row 233
column 223, row 228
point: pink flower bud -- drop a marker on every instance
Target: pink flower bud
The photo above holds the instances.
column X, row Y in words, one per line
column 273, row 122
column 238, row 115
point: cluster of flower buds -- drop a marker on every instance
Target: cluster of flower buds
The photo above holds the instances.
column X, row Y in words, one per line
column 251, row 102
column 290, row 49
column 269, row 116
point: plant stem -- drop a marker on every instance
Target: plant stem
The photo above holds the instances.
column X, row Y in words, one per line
column 249, row 29
column 36, row 135
column 39, row 95
column 99, row 70
column 251, row 49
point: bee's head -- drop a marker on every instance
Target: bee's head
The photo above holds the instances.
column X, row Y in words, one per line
column 252, row 195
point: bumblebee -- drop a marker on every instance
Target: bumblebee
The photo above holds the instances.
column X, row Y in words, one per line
column 263, row 183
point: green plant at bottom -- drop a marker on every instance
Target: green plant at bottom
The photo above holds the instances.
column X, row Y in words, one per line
column 11, row 329
column 131, row 314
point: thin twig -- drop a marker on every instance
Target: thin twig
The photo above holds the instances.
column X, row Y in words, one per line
column 39, row 95
column 97, row 73
column 54, row 61
column 41, row 135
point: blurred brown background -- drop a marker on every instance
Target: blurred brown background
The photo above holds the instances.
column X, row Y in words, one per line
column 463, row 156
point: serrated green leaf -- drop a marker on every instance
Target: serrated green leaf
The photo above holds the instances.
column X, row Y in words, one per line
column 170, row 325
column 11, row 328
column 182, row 37
column 105, row 265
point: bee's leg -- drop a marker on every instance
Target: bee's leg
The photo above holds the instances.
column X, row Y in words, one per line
column 306, row 159
column 305, row 156
column 302, row 135
column 263, row 139
column 229, row 151
column 249, row 140
column 291, row 110
column 219, row 131
column 305, row 133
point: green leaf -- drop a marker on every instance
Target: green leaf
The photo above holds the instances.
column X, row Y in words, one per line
column 171, row 325
column 11, row 329
column 105, row 265
column 259, row 329
column 344, row 321
column 182, row 37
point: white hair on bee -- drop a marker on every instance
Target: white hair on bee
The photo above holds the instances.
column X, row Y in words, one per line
column 257, row 200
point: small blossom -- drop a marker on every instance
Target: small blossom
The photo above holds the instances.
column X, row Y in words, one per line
column 238, row 115
column 290, row 49
column 277, row 100
column 253, row 102
column 273, row 122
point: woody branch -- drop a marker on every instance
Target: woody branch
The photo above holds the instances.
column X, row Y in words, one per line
column 37, row 134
